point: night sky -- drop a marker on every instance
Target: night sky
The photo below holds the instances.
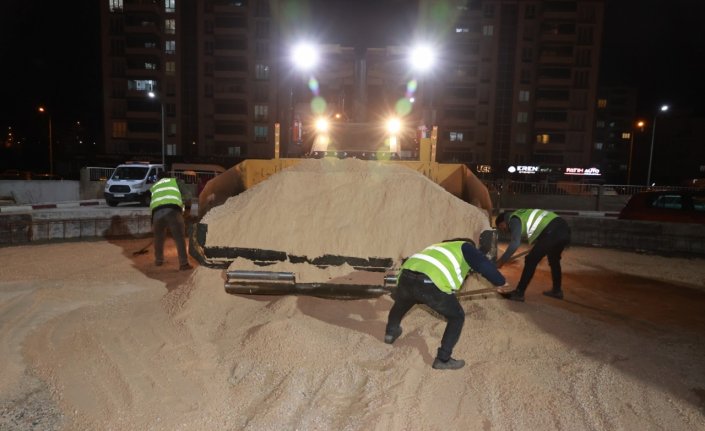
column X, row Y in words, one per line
column 50, row 55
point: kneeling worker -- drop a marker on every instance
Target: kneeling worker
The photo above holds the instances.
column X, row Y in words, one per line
column 432, row 277
column 548, row 233
column 167, row 213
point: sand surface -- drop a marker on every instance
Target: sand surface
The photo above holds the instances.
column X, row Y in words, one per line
column 94, row 338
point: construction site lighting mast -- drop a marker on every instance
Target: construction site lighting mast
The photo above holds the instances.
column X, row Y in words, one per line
column 422, row 59
column 304, row 57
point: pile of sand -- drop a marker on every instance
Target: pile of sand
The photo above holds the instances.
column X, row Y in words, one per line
column 344, row 207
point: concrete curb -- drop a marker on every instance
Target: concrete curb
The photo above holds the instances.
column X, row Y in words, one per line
column 25, row 208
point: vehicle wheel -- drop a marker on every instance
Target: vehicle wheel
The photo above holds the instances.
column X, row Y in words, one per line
column 146, row 199
column 112, row 203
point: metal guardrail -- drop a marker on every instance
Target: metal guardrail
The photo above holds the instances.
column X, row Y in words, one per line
column 96, row 173
column 567, row 188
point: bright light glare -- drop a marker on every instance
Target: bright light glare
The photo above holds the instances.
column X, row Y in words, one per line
column 393, row 126
column 422, row 58
column 322, row 124
column 152, row 94
column 664, row 108
column 304, row 56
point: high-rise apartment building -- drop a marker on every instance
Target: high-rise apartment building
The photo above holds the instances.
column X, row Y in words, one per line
column 514, row 83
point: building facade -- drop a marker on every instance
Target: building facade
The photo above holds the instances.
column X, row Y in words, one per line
column 515, row 82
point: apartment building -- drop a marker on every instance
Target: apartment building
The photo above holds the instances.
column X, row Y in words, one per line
column 514, row 83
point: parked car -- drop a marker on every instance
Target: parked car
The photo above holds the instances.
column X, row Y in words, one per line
column 666, row 206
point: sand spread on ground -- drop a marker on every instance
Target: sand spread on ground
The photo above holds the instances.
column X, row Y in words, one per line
column 93, row 338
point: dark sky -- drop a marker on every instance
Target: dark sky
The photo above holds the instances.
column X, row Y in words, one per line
column 49, row 54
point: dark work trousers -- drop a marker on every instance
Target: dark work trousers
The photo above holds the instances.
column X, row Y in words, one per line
column 172, row 219
column 412, row 290
column 552, row 241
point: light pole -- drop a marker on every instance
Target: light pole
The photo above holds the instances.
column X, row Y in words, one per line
column 640, row 125
column 153, row 95
column 51, row 145
column 422, row 59
column 304, row 57
column 663, row 108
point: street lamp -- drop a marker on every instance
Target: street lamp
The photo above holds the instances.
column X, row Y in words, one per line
column 640, row 125
column 51, row 146
column 663, row 108
column 153, row 95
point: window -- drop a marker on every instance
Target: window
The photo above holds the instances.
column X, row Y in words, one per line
column 141, row 84
column 234, row 151
column 119, row 129
column 262, row 71
column 260, row 133
column 601, row 103
column 169, row 5
column 626, row 135
column 524, row 95
column 543, row 138
column 600, row 124
column 598, row 146
column 115, row 5
column 521, row 138
column 488, row 30
column 522, row 117
column 456, row 136
column 670, row 201
column 170, row 47
column 150, row 66
column 461, row 29
column 172, row 129
column 170, row 26
column 261, row 112
column 170, row 67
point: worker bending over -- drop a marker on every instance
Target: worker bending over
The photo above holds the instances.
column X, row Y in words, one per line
column 548, row 233
column 167, row 213
column 432, row 277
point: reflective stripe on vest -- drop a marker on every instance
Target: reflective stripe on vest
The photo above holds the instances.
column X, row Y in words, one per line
column 533, row 221
column 165, row 192
column 443, row 263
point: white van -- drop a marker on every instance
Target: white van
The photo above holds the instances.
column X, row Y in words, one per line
column 130, row 182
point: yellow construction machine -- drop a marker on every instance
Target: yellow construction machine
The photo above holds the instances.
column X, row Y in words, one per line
column 457, row 179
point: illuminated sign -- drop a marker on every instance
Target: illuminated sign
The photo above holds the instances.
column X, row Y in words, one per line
column 485, row 169
column 522, row 169
column 582, row 171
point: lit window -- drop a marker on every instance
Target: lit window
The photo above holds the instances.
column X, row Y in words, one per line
column 456, row 136
column 150, row 66
column 601, row 103
column 261, row 112
column 598, row 145
column 119, row 129
column 115, row 5
column 170, row 47
column 543, row 138
column 262, row 71
column 462, row 29
column 488, row 30
column 170, row 5
column 260, row 133
column 626, row 135
column 170, row 26
column 234, row 151
column 524, row 95
column 170, row 67
column 522, row 117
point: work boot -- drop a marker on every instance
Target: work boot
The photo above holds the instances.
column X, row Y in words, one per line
column 558, row 294
column 389, row 337
column 450, row 364
column 185, row 267
column 514, row 295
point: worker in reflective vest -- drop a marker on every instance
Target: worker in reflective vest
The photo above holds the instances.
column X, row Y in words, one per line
column 432, row 277
column 167, row 213
column 547, row 233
